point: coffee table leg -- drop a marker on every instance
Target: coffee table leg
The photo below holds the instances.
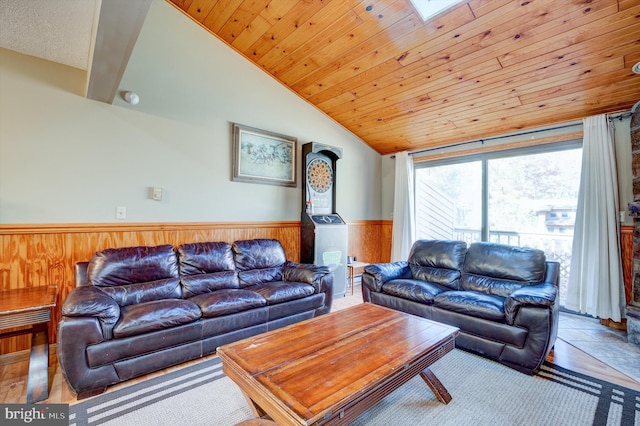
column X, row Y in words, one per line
column 436, row 386
column 255, row 408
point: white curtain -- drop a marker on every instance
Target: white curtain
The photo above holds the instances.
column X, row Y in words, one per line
column 403, row 207
column 596, row 285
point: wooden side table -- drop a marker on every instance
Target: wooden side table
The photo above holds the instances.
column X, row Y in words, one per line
column 355, row 268
column 31, row 307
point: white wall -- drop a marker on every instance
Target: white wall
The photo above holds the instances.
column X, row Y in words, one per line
column 67, row 159
column 388, row 186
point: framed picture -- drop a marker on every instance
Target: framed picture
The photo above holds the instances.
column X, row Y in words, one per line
column 263, row 157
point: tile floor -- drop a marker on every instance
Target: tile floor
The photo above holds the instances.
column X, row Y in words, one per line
column 604, row 343
column 587, row 334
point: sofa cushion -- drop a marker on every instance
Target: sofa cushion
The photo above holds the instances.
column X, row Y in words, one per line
column 294, row 307
column 130, row 265
column 488, row 285
column 144, row 292
column 507, row 262
column 472, row 303
column 194, row 285
column 156, row 315
column 416, row 290
column 280, row 291
column 205, row 258
column 438, row 261
column 115, row 350
column 136, row 274
column 259, row 276
column 225, row 302
column 500, row 269
column 258, row 261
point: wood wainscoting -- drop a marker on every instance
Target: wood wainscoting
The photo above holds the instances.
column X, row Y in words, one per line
column 45, row 254
column 363, row 233
column 39, row 255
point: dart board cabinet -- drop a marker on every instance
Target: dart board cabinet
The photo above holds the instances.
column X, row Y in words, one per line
column 323, row 233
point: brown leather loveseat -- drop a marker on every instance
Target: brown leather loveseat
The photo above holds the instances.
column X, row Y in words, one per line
column 504, row 299
column 140, row 309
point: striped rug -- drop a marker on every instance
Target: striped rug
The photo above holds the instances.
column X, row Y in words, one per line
column 484, row 393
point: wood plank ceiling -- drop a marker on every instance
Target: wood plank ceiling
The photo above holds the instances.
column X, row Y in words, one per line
column 483, row 68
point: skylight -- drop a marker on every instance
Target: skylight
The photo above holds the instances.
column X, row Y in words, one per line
column 429, row 8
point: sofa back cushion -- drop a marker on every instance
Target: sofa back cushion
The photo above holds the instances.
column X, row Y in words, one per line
column 501, row 269
column 258, row 261
column 206, row 267
column 438, row 262
column 136, row 274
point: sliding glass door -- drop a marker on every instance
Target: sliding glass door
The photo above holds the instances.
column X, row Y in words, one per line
column 520, row 197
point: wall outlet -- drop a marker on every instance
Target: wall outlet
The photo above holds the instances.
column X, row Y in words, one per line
column 121, row 212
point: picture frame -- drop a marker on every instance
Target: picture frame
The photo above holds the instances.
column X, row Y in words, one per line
column 264, row 157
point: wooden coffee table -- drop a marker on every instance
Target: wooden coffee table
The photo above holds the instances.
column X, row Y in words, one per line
column 330, row 369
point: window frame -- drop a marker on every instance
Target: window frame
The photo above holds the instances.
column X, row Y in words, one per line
column 484, row 158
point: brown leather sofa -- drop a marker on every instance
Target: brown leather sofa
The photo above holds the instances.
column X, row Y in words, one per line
column 140, row 309
column 504, row 299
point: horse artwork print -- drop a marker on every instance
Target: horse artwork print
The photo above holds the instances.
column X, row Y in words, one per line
column 263, row 157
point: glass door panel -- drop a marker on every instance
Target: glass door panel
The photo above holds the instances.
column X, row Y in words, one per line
column 449, row 201
column 532, row 203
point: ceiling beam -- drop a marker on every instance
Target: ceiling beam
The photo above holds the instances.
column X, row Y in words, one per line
column 118, row 29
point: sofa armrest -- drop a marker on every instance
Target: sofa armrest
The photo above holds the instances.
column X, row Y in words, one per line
column 552, row 275
column 376, row 275
column 541, row 296
column 305, row 273
column 75, row 335
column 89, row 301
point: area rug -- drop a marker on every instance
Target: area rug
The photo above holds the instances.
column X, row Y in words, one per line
column 484, row 393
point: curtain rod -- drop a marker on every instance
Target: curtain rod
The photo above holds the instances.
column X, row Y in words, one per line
column 620, row 116
column 483, row 140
